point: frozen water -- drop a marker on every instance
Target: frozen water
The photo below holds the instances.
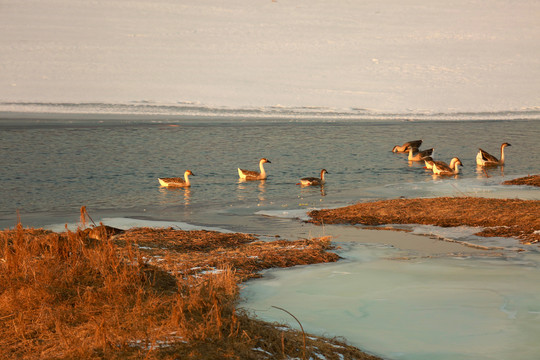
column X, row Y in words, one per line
column 390, row 55
column 428, row 308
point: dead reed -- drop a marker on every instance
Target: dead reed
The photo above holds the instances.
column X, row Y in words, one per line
column 500, row 217
column 146, row 293
column 531, row 180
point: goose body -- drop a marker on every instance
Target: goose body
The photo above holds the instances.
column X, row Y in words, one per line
column 428, row 160
column 441, row 168
column 420, row 155
column 254, row 175
column 483, row 158
column 176, row 181
column 313, row 181
column 405, row 147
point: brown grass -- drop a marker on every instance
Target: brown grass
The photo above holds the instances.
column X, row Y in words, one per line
column 144, row 295
column 500, row 217
column 531, row 180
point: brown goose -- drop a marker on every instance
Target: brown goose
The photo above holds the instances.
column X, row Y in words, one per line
column 313, row 181
column 420, row 155
column 440, row 168
column 254, row 175
column 176, row 181
column 484, row 158
column 405, row 147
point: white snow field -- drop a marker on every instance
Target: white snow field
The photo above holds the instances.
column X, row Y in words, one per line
column 382, row 55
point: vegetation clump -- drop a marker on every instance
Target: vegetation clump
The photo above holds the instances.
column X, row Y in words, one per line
column 531, row 180
column 499, row 217
column 146, row 293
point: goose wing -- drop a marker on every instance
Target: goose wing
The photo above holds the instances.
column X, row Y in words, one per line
column 487, row 156
column 249, row 172
column 425, row 153
column 413, row 144
column 173, row 180
column 440, row 167
column 310, row 181
column 441, row 164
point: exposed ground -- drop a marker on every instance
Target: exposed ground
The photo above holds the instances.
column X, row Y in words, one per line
column 147, row 293
column 532, row 180
column 497, row 217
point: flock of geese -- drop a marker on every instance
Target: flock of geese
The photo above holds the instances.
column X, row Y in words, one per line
column 245, row 175
column 483, row 159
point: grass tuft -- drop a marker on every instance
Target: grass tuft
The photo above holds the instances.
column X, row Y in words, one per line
column 144, row 293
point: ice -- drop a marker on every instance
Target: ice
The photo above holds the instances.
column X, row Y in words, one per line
column 431, row 308
column 128, row 223
column 420, row 57
column 300, row 214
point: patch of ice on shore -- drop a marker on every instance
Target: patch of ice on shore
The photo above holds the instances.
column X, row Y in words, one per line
column 465, row 234
column 128, row 223
column 300, row 214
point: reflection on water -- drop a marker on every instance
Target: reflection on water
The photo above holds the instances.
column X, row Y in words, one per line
column 483, row 171
column 172, row 195
column 245, row 190
column 312, row 189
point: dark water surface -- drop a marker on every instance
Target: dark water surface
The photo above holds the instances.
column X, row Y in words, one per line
column 52, row 167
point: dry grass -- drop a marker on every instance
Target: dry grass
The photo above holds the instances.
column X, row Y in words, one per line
column 145, row 295
column 531, row 180
column 499, row 217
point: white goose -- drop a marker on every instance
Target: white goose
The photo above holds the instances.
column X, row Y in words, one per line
column 405, row 147
column 254, row 175
column 176, row 181
column 420, row 155
column 313, row 181
column 440, row 168
column 484, row 158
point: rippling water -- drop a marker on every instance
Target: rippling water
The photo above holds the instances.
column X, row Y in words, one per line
column 52, row 167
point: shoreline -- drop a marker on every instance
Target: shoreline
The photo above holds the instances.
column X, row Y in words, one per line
column 494, row 217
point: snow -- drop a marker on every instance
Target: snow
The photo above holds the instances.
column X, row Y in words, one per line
column 388, row 55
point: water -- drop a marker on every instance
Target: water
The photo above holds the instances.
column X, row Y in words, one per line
column 433, row 305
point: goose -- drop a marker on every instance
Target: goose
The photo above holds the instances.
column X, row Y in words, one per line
column 313, row 181
column 428, row 160
column 483, row 158
column 420, row 155
column 405, row 147
column 254, row 175
column 176, row 181
column 440, row 168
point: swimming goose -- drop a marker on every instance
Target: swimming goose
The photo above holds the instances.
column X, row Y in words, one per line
column 405, row 147
column 420, row 155
column 313, row 181
column 254, row 175
column 484, row 158
column 428, row 160
column 440, row 168
column 176, row 181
